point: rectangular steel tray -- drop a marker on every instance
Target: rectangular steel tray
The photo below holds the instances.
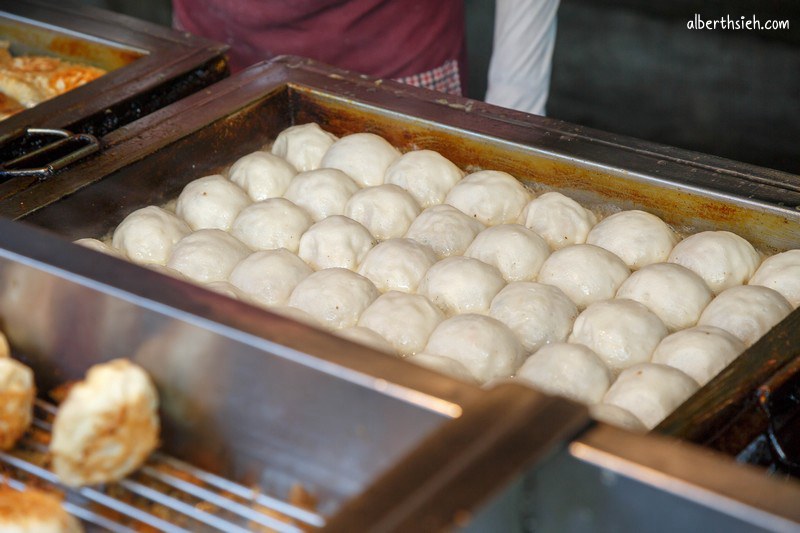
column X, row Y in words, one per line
column 143, row 59
column 150, row 161
column 148, row 67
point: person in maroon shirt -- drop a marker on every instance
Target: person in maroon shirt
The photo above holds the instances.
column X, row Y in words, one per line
column 420, row 42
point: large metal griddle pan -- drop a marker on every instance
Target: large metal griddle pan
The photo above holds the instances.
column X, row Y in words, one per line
column 149, row 162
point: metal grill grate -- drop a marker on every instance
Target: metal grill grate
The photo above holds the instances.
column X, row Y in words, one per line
column 164, row 495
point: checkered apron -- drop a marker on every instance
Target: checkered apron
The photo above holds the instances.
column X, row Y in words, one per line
column 444, row 78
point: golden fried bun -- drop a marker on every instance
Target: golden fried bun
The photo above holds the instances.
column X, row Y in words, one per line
column 17, row 392
column 107, row 426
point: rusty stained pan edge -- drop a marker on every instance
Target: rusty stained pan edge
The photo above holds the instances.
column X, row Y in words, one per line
column 564, row 131
column 147, row 55
column 629, row 179
column 603, row 186
column 292, row 90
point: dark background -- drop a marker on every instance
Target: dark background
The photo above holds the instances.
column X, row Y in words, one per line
column 632, row 67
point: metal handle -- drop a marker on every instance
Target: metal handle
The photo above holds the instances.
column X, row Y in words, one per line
column 49, row 156
column 780, row 400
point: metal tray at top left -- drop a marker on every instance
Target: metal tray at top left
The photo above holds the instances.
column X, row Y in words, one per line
column 147, row 66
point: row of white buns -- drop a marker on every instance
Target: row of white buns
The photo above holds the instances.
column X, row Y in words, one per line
column 478, row 251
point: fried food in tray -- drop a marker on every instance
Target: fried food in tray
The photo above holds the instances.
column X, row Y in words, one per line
column 26, row 81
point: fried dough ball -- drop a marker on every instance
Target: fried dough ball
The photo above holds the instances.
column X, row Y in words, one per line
column 721, row 258
column 443, row 365
column 700, row 352
column 148, row 235
column 650, row 391
column 262, row 175
column 485, row 346
column 445, row 229
column 586, row 273
column 207, row 255
column 426, row 175
column 271, row 224
column 337, row 241
column 211, row 202
column 107, row 426
column 34, row 511
column 269, row 276
column 322, row 193
column 490, row 196
column 781, row 273
column 397, row 264
column 560, row 220
column 335, row 297
column 616, row 416
column 636, row 237
column 461, row 285
column 100, row 246
column 5, row 349
column 517, row 252
column 746, row 311
column 538, row 314
column 405, row 320
column 622, row 332
column 673, row 292
column 570, row 370
column 385, row 210
column 362, row 156
column 17, row 392
column 303, row 145
column 367, row 337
